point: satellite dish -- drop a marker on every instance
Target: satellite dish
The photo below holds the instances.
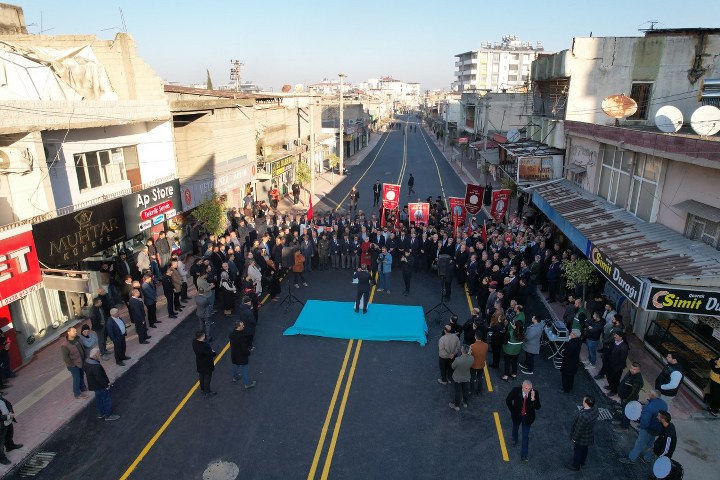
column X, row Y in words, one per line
column 619, row 106
column 668, row 119
column 299, row 88
column 513, row 135
column 705, row 121
column 286, row 88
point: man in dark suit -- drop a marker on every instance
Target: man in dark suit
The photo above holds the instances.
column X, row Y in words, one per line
column 149, row 296
column 117, row 332
column 136, row 309
column 365, row 281
column 204, row 355
column 522, row 403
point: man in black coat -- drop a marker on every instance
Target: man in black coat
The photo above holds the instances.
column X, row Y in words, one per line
column 365, row 282
column 204, row 355
column 570, row 361
column 7, row 431
column 616, row 362
column 240, row 355
column 117, row 332
column 98, row 322
column 98, row 383
column 136, row 309
column 149, row 296
column 168, row 290
column 377, row 189
column 522, row 403
column 246, row 315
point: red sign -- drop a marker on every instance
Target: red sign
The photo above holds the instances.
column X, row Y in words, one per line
column 462, row 140
column 419, row 213
column 391, row 196
column 156, row 210
column 473, row 198
column 19, row 267
column 457, row 210
column 500, row 202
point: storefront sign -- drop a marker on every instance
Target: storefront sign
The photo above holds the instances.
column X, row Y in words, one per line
column 473, row 198
column 279, row 167
column 499, row 205
column 232, row 174
column 419, row 213
column 19, row 267
column 151, row 206
column 69, row 239
column 533, row 169
column 667, row 298
column 391, row 195
column 630, row 286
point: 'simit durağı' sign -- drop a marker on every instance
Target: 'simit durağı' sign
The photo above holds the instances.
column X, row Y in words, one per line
column 667, row 298
column 630, row 286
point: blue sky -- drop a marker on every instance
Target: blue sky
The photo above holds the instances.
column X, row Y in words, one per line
column 303, row 42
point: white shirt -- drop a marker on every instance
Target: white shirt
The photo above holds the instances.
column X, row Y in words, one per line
column 120, row 323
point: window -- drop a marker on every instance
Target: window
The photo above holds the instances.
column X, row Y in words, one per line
column 645, row 179
column 704, row 230
column 95, row 169
column 614, row 183
column 514, row 66
column 512, row 78
column 640, row 92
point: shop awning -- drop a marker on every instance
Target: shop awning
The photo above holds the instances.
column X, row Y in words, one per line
column 699, row 209
column 645, row 250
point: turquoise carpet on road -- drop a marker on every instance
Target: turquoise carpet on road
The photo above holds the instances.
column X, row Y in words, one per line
column 381, row 323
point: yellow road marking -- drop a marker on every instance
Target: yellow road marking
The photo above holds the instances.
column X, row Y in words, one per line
column 487, row 378
column 341, row 413
column 501, row 437
column 174, row 414
column 328, row 416
column 437, row 167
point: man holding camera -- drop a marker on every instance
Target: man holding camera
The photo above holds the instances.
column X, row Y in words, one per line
column 365, row 282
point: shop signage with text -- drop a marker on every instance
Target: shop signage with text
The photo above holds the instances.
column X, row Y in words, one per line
column 693, row 301
column 19, row 267
column 630, row 286
column 68, row 239
column 151, row 206
column 279, row 167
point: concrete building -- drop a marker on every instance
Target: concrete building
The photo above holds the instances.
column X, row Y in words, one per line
column 643, row 205
column 497, row 67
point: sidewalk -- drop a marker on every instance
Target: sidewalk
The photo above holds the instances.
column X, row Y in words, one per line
column 697, row 430
column 42, row 395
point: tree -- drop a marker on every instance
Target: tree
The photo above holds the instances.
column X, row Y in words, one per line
column 580, row 272
column 303, row 173
column 208, row 82
column 334, row 161
column 507, row 183
column 212, row 213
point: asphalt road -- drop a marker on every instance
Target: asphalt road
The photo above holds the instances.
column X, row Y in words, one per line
column 395, row 422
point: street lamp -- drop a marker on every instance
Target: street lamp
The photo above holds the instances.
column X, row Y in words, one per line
column 342, row 125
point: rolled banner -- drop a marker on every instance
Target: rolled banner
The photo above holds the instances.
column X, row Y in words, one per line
column 633, row 410
column 662, row 467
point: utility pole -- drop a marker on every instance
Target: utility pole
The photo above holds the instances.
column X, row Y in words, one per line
column 342, row 126
column 235, row 67
column 312, row 146
column 486, row 122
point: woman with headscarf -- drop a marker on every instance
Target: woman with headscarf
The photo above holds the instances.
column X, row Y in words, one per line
column 228, row 292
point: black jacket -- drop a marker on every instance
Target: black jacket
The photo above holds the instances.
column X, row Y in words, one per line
column 514, row 402
column 97, row 379
column 204, row 356
column 618, row 357
column 239, row 348
column 136, row 308
column 571, row 356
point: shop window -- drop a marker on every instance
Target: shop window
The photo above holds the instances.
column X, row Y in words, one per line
column 640, row 92
column 703, row 230
column 645, row 178
column 95, row 169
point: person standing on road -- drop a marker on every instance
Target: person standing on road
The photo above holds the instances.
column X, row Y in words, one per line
column 384, row 262
column 616, row 363
column 98, row 320
column 411, row 184
column 461, row 377
column 650, row 428
column 522, row 403
column 582, row 432
column 406, row 265
column 448, row 347
column 531, row 345
column 136, row 309
column 167, row 284
column 377, row 189
column 628, row 391
column 247, row 316
column 204, row 355
column 570, row 361
column 203, row 311
column 296, row 193
column 365, row 282
column 73, row 355
column 298, row 267
column 478, row 351
column 7, row 430
column 117, row 332
column 149, row 296
column 354, row 197
column 99, row 384
column 240, row 355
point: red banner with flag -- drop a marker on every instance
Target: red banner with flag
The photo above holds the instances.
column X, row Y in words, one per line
column 457, row 210
column 391, row 195
column 419, row 213
column 310, row 209
column 473, row 198
column 500, row 203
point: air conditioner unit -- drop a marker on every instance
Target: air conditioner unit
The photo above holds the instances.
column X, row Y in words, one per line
column 288, row 146
column 13, row 161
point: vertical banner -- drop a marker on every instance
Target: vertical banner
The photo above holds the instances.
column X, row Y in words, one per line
column 457, row 210
column 473, row 198
column 419, row 213
column 391, row 194
column 500, row 203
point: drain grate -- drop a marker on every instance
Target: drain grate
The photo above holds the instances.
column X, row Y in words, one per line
column 603, row 413
column 36, row 463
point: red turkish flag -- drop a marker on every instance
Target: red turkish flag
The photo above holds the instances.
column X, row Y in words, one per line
column 473, row 198
column 391, row 195
column 499, row 206
column 310, row 210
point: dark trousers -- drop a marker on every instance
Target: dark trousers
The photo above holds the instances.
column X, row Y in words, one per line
column 151, row 314
column 445, row 369
column 205, row 382
column 496, row 355
column 141, row 329
column 9, row 432
column 102, row 340
column 511, row 364
column 462, row 389
column 579, row 455
column 119, row 350
column 176, row 301
column 613, row 379
column 529, row 362
column 476, row 380
column 553, row 289
column 406, row 280
column 170, row 304
column 376, row 198
column 568, row 381
column 183, row 291
column 365, row 295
